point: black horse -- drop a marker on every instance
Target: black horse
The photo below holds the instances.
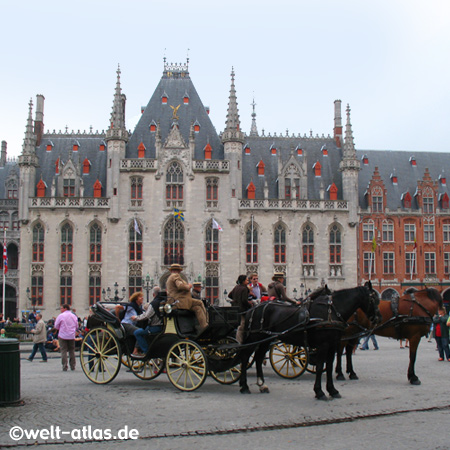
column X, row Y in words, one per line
column 318, row 324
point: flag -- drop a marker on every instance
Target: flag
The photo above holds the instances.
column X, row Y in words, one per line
column 374, row 244
column 136, row 226
column 178, row 214
column 415, row 243
column 215, row 225
column 5, row 259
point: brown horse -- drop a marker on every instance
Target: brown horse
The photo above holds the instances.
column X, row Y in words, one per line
column 408, row 317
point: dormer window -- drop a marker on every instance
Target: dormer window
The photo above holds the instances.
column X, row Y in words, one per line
column 407, row 199
column 413, row 161
column 49, row 147
column 97, row 189
column 247, row 150
column 445, row 201
column 394, row 178
column 324, row 150
column 102, row 147
column 41, row 188
column 365, row 160
column 57, row 166
column 186, row 99
column 141, row 150
column 86, row 166
column 75, row 146
column 208, row 151
column 273, row 150
column 443, row 179
column 153, row 127
column 164, row 99
column 197, row 127
column 333, row 190
column 261, row 167
column 317, row 169
column 299, row 151
column 251, row 191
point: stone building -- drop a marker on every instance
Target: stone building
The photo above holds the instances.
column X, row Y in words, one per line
column 101, row 208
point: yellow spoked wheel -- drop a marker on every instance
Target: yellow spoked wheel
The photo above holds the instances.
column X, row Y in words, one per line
column 231, row 375
column 288, row 361
column 125, row 360
column 186, row 365
column 147, row 370
column 100, row 355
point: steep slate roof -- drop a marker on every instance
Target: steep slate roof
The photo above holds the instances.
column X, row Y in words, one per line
column 175, row 87
column 408, row 175
column 260, row 150
column 11, row 168
column 89, row 147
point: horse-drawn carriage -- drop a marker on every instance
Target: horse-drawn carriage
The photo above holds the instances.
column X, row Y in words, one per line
column 186, row 359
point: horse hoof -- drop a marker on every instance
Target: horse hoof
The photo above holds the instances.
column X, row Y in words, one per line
column 415, row 382
column 322, row 397
column 354, row 377
column 340, row 378
column 245, row 391
column 264, row 390
column 336, row 395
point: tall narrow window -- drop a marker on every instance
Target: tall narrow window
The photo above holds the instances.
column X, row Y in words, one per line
column 135, row 242
column 69, row 187
column 335, row 245
column 410, row 263
column 37, row 290
column 251, row 244
column 428, row 203
column 174, row 182
column 212, row 192
column 66, row 243
column 134, row 284
column 173, row 243
column 212, row 288
column 212, row 243
column 388, row 232
column 279, row 244
column 446, row 232
column 377, row 203
column 308, row 245
column 428, row 233
column 388, row 262
column 368, row 231
column 410, row 232
column 447, row 263
column 136, row 191
column 66, row 290
column 430, row 263
column 94, row 290
column 95, row 244
column 369, row 263
column 287, row 188
column 38, row 243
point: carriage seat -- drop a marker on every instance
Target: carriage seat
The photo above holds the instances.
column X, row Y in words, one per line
column 185, row 321
column 105, row 315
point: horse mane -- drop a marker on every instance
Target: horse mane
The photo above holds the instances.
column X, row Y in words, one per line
column 431, row 293
column 322, row 290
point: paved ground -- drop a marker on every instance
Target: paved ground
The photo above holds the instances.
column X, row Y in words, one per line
column 381, row 410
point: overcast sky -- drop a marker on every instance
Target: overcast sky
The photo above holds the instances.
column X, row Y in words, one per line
column 390, row 60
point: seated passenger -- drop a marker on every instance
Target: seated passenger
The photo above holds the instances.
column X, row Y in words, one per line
column 154, row 326
column 132, row 309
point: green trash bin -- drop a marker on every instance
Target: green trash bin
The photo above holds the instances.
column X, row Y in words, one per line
column 9, row 371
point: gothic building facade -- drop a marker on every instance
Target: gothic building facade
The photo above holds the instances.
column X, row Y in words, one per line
column 115, row 209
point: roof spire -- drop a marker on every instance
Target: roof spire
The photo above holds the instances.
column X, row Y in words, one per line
column 117, row 128
column 29, row 140
column 232, row 125
column 349, row 145
column 253, row 129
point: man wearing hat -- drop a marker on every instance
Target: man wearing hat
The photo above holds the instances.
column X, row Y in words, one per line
column 277, row 289
column 179, row 290
column 196, row 290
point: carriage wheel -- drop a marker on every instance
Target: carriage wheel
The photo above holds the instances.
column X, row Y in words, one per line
column 125, row 360
column 100, row 355
column 228, row 376
column 186, row 365
column 288, row 361
column 147, row 370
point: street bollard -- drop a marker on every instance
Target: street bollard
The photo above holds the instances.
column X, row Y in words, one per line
column 9, row 371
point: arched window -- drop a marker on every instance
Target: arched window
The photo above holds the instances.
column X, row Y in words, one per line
column 66, row 243
column 212, row 192
column 335, row 245
column 38, row 243
column 95, row 243
column 174, row 243
column 135, row 241
column 174, row 182
column 251, row 241
column 308, row 245
column 279, row 244
column 212, row 243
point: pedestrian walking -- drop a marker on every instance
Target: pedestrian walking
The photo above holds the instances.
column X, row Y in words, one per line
column 39, row 338
column 67, row 324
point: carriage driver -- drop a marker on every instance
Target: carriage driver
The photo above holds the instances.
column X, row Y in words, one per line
column 179, row 290
column 277, row 291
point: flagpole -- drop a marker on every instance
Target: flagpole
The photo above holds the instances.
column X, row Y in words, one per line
column 4, row 274
column 251, row 241
column 173, row 244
